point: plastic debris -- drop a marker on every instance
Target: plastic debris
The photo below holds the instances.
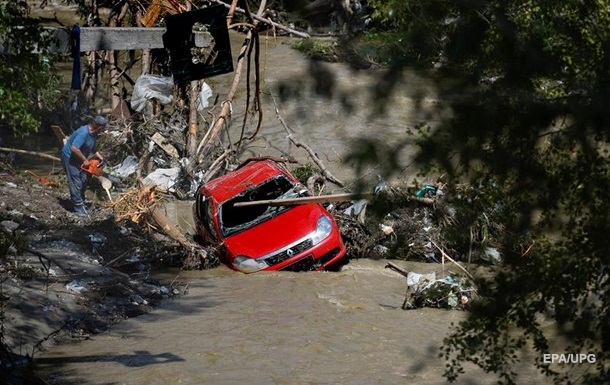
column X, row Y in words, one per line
column 357, row 209
column 128, row 167
column 427, row 191
column 206, row 93
column 425, row 290
column 97, row 238
column 164, row 178
column 149, row 87
column 381, row 185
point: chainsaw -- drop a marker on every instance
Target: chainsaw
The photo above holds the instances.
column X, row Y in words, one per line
column 95, row 168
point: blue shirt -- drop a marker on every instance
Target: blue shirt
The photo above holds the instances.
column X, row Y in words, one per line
column 81, row 139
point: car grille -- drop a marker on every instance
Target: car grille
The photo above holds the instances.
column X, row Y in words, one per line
column 294, row 250
column 303, row 264
column 309, row 264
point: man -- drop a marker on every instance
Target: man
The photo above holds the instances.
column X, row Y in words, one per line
column 76, row 153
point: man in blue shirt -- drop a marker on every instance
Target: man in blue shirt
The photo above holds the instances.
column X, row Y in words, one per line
column 76, row 153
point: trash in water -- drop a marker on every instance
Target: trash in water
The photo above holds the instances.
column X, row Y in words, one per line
column 426, row 290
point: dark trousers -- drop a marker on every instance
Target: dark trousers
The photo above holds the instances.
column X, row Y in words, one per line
column 77, row 180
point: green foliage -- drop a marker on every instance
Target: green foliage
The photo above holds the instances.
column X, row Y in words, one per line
column 525, row 153
column 393, row 13
column 409, row 32
column 319, row 49
column 28, row 82
column 529, row 134
column 304, row 172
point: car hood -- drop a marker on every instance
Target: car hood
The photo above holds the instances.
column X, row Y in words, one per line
column 276, row 233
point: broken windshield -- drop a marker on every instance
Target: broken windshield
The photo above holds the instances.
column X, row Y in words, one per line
column 235, row 219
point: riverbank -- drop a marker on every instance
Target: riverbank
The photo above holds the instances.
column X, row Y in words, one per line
column 63, row 277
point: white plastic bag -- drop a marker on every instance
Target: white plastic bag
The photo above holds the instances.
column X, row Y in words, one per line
column 204, row 95
column 151, row 87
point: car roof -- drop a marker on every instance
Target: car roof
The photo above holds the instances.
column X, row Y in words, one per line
column 250, row 174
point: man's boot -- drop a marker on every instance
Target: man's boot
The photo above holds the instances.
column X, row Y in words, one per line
column 79, row 210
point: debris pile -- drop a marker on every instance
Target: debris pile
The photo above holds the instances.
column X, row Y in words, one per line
column 425, row 290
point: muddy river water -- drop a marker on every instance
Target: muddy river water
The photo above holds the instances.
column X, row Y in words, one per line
column 343, row 327
column 276, row 328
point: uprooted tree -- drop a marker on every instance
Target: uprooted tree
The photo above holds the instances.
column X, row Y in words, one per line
column 188, row 136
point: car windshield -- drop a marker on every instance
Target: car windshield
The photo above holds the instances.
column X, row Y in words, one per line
column 235, row 219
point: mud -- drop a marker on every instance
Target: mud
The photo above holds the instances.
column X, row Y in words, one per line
column 65, row 278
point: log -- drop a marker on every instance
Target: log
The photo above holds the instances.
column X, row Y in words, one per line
column 397, row 269
column 196, row 256
column 165, row 145
column 40, row 154
column 303, row 200
column 323, row 199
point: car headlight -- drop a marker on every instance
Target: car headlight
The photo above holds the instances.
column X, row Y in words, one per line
column 248, row 265
column 323, row 230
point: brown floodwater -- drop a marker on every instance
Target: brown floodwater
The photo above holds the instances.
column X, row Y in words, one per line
column 277, row 328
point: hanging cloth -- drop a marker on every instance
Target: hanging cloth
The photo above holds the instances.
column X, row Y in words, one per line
column 76, row 83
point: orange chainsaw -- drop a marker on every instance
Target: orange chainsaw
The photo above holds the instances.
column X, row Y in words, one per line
column 95, row 168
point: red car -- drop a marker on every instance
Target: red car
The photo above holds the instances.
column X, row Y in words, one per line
column 260, row 237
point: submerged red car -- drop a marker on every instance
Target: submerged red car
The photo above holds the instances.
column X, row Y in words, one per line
column 265, row 237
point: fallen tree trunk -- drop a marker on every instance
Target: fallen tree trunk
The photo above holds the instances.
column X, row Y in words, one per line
column 196, row 257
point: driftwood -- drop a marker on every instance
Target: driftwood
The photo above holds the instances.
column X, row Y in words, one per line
column 327, row 174
column 267, row 21
column 302, row 200
column 196, row 256
column 224, row 117
column 451, row 259
column 322, row 199
column 59, row 133
column 165, row 145
column 397, row 269
column 39, row 154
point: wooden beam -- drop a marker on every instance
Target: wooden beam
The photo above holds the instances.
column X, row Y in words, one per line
column 304, row 200
column 323, row 199
column 117, row 38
